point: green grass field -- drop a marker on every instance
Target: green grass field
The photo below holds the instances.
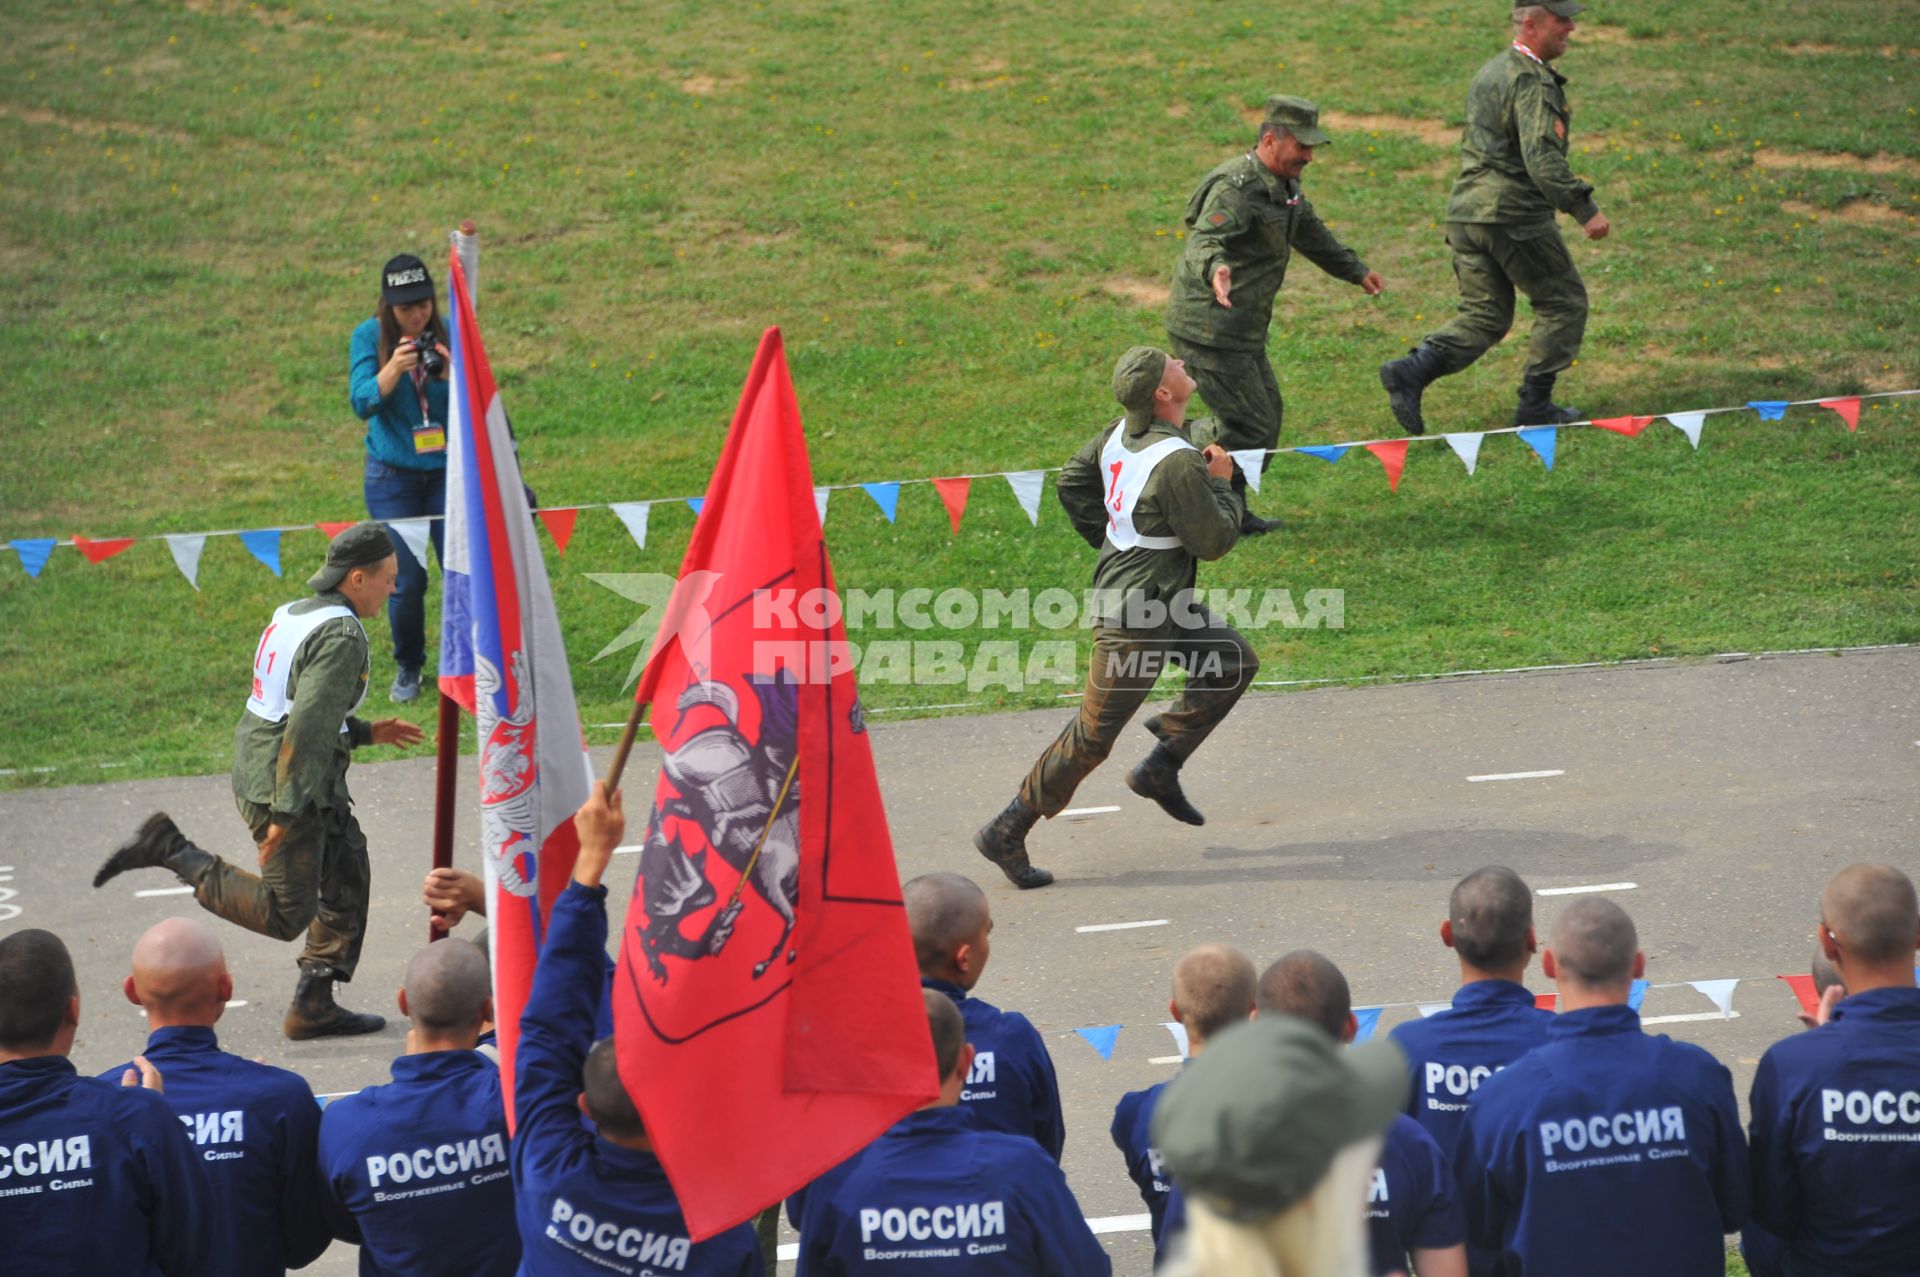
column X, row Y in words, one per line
column 959, row 214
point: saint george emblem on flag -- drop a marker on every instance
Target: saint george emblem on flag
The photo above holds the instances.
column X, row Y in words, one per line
column 502, row 659
column 767, row 1004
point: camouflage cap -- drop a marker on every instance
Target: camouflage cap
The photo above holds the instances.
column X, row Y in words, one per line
column 360, row 546
column 1136, row 376
column 1298, row 117
column 1558, row 8
column 1252, row 1124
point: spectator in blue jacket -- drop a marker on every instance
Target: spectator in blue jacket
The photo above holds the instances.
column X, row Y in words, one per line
column 1836, row 1112
column 1608, row 1150
column 1493, row 1020
column 938, row 1197
column 1213, row 988
column 94, row 1177
column 254, row 1127
column 415, row 1171
column 593, row 1201
column 1413, row 1207
column 405, row 408
column 1012, row 1086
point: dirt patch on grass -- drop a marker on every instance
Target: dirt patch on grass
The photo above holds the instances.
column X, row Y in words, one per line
column 89, row 128
column 1178, row 110
column 1431, row 132
column 706, row 86
column 1148, row 293
column 1874, row 377
column 1859, row 210
column 1819, row 49
column 1828, row 161
column 898, row 248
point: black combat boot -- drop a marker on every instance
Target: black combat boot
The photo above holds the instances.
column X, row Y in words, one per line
column 158, row 845
column 1003, row 840
column 1158, row 778
column 1406, row 378
column 1537, row 407
column 314, row 1014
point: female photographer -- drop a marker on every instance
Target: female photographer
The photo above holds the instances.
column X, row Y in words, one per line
column 398, row 386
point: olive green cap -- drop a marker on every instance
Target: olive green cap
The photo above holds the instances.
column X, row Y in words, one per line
column 1298, row 117
column 360, row 546
column 1558, row 8
column 1135, row 377
column 1252, row 1124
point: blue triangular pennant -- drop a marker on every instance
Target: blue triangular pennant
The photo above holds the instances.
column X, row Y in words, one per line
column 1365, row 1021
column 1327, row 452
column 1637, row 994
column 696, row 503
column 1104, row 1036
column 887, row 497
column 264, row 545
column 33, row 553
column 1769, row 409
column 1541, row 439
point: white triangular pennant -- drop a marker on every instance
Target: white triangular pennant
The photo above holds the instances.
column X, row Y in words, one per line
column 1026, row 490
column 1466, row 446
column 1720, row 992
column 186, row 547
column 634, row 515
column 1434, row 1008
column 820, row 503
column 1251, row 462
column 1179, row 1032
column 1689, row 424
column 415, row 533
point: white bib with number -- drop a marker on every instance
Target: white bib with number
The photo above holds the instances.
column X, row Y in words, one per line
column 1125, row 474
column 274, row 658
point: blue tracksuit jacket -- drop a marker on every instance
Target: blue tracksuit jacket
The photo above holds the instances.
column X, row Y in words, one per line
column 1012, row 1087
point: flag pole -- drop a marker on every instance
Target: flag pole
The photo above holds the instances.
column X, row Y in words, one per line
column 620, row 752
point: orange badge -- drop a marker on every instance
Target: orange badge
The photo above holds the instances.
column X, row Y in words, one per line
column 1560, row 129
column 1217, row 219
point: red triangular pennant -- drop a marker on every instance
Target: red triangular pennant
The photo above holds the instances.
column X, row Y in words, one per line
column 333, row 529
column 953, row 495
column 1393, row 459
column 1546, row 1001
column 1848, row 408
column 1802, row 986
column 560, row 525
column 1628, row 426
column 100, row 551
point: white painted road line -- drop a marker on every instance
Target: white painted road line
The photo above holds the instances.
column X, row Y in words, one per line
column 1689, row 1019
column 1123, row 926
column 627, row 849
column 165, row 891
column 1164, row 1059
column 1088, row 811
column 1576, row 891
column 1474, row 780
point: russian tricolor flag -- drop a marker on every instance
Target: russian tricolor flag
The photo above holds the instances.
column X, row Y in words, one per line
column 502, row 659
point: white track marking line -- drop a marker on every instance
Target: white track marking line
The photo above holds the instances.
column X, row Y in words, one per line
column 627, row 849
column 1088, row 811
column 1123, row 926
column 1575, row 891
column 1164, row 1059
column 1688, row 1019
column 165, row 891
column 1474, row 780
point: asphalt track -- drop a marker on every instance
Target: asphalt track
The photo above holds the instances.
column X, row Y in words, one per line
column 1726, row 792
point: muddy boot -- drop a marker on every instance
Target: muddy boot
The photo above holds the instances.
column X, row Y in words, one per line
column 158, row 845
column 1003, row 840
column 314, row 1014
column 1537, row 407
column 1407, row 378
column 1158, row 778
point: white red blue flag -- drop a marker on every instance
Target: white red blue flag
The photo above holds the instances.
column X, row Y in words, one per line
column 502, row 659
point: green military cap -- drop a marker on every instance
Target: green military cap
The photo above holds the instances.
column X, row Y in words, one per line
column 1255, row 1121
column 1558, row 8
column 360, row 546
column 1298, row 117
column 1136, row 376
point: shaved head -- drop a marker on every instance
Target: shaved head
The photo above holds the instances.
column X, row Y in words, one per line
column 948, row 1029
column 1594, row 941
column 1491, row 910
column 1213, row 987
column 447, row 986
column 944, row 911
column 1872, row 912
column 1306, row 984
column 608, row 1103
column 36, row 982
column 177, row 971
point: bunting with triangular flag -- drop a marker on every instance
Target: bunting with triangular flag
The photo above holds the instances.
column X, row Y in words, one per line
column 1466, row 446
column 1327, row 452
column 1688, row 424
column 1848, row 408
column 559, row 521
column 414, row 535
column 1628, row 426
column 1393, row 459
column 333, row 529
column 820, row 496
column 185, row 548
column 1365, row 1021
column 264, row 545
column 1769, row 409
column 1541, row 439
column 100, row 551
column 1101, row 1038
column 1026, row 485
column 634, row 515
column 953, row 495
column 694, row 504
column 1719, row 992
column 1252, row 461
column 33, row 552
column 886, row 496
column 1180, row 1040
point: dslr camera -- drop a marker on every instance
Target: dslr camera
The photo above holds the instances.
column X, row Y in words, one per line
column 432, row 362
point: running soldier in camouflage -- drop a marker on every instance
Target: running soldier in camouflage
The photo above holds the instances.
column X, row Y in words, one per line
column 1244, row 224
column 1154, row 505
column 1514, row 177
column 291, row 750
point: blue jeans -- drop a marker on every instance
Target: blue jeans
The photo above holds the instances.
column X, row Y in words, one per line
column 393, row 493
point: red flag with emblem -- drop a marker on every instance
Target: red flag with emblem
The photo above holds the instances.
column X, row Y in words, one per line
column 767, row 1005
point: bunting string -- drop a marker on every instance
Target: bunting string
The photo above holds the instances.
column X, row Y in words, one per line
column 1026, row 485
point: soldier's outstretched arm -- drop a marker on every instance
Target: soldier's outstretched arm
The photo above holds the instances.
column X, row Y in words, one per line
column 1082, row 494
column 1313, row 240
column 1543, row 146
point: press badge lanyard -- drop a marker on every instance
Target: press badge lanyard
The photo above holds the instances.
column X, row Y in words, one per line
column 429, row 435
column 1529, row 52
